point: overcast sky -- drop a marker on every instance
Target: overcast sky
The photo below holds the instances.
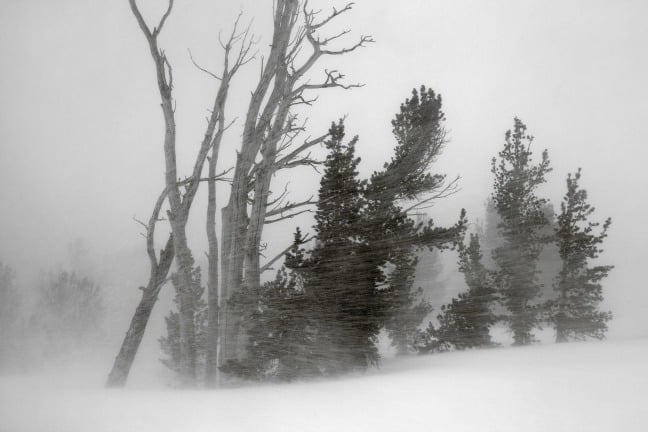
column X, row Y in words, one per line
column 81, row 129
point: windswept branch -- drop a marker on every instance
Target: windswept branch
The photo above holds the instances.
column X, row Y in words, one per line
column 290, row 206
column 268, row 265
column 211, row 74
column 332, row 80
column 215, row 125
column 447, row 190
column 291, row 157
column 289, row 216
column 150, row 229
column 310, row 15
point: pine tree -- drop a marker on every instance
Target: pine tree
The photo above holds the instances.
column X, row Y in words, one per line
column 393, row 236
column 420, row 137
column 521, row 228
column 279, row 327
column 341, row 275
column 69, row 310
column 170, row 344
column 359, row 276
column 405, row 306
column 576, row 312
column 466, row 321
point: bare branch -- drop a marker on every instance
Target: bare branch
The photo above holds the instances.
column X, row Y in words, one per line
column 280, row 198
column 311, row 15
column 332, row 38
column 305, row 161
column 140, row 19
column 217, row 177
column 364, row 40
column 158, row 29
column 290, row 206
column 282, row 218
column 213, row 75
column 284, row 161
column 332, row 80
column 268, row 265
column 448, row 190
column 150, row 229
column 141, row 223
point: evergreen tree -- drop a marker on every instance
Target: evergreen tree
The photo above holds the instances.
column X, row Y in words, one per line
column 405, row 307
column 341, row 275
column 393, row 237
column 359, row 276
column 280, row 327
column 521, row 227
column 466, row 321
column 69, row 310
column 576, row 311
column 170, row 344
column 420, row 137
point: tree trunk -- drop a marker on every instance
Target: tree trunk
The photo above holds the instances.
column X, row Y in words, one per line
column 211, row 366
column 130, row 345
column 234, row 228
column 187, row 309
column 124, row 360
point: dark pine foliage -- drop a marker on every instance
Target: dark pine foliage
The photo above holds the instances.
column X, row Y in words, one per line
column 342, row 271
column 323, row 313
column 576, row 313
column 466, row 321
column 522, row 228
column 280, row 328
column 393, row 237
column 170, row 344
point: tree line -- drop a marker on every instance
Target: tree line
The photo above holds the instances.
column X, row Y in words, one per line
column 322, row 313
column 513, row 282
column 63, row 314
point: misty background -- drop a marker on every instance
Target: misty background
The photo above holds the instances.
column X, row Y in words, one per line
column 81, row 128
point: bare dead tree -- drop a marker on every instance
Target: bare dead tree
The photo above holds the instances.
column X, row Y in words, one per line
column 159, row 269
column 269, row 120
column 179, row 201
column 242, row 58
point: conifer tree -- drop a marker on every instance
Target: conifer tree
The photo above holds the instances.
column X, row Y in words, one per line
column 522, row 223
column 359, row 276
column 393, row 236
column 281, row 340
column 405, row 306
column 466, row 321
column 170, row 344
column 576, row 313
column 69, row 310
column 342, row 270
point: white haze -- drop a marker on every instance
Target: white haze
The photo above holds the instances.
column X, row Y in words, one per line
column 80, row 156
column 559, row 388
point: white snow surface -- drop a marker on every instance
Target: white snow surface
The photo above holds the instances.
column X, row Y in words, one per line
column 597, row 386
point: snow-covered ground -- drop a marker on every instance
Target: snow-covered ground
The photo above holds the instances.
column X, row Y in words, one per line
column 599, row 386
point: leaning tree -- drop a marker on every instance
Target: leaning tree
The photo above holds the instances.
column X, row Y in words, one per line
column 270, row 142
column 180, row 195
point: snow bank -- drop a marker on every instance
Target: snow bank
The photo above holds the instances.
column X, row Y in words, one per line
column 571, row 387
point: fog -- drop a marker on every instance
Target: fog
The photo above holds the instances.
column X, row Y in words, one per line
column 81, row 149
